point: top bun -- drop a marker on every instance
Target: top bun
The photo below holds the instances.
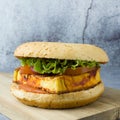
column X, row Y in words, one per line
column 57, row 50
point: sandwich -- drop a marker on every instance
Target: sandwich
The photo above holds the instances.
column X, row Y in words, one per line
column 58, row 75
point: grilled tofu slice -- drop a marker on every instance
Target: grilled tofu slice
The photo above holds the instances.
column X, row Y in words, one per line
column 59, row 83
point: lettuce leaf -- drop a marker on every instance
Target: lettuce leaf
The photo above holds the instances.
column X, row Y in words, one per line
column 55, row 66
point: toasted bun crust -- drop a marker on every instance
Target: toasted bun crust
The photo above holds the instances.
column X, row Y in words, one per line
column 57, row 50
column 66, row 100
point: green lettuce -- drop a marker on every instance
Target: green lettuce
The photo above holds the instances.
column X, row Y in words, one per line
column 55, row 66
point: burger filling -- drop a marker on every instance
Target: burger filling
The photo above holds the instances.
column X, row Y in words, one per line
column 56, row 76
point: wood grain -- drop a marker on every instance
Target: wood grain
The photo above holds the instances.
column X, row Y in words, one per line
column 106, row 108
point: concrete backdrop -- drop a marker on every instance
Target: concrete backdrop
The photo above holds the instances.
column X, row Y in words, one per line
column 79, row 21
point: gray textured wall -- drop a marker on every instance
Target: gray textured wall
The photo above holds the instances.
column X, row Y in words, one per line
column 89, row 21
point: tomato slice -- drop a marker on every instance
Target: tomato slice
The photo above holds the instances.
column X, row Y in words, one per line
column 27, row 70
column 78, row 71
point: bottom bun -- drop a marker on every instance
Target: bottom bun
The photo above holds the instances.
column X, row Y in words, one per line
column 66, row 100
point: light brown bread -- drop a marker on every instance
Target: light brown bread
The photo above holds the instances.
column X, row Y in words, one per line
column 57, row 50
column 66, row 100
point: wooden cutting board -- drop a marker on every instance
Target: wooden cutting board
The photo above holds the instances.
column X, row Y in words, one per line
column 106, row 108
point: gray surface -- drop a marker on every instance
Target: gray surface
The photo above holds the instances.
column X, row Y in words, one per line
column 80, row 21
column 111, row 77
column 89, row 21
column 3, row 117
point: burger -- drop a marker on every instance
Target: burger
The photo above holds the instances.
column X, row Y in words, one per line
column 58, row 75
